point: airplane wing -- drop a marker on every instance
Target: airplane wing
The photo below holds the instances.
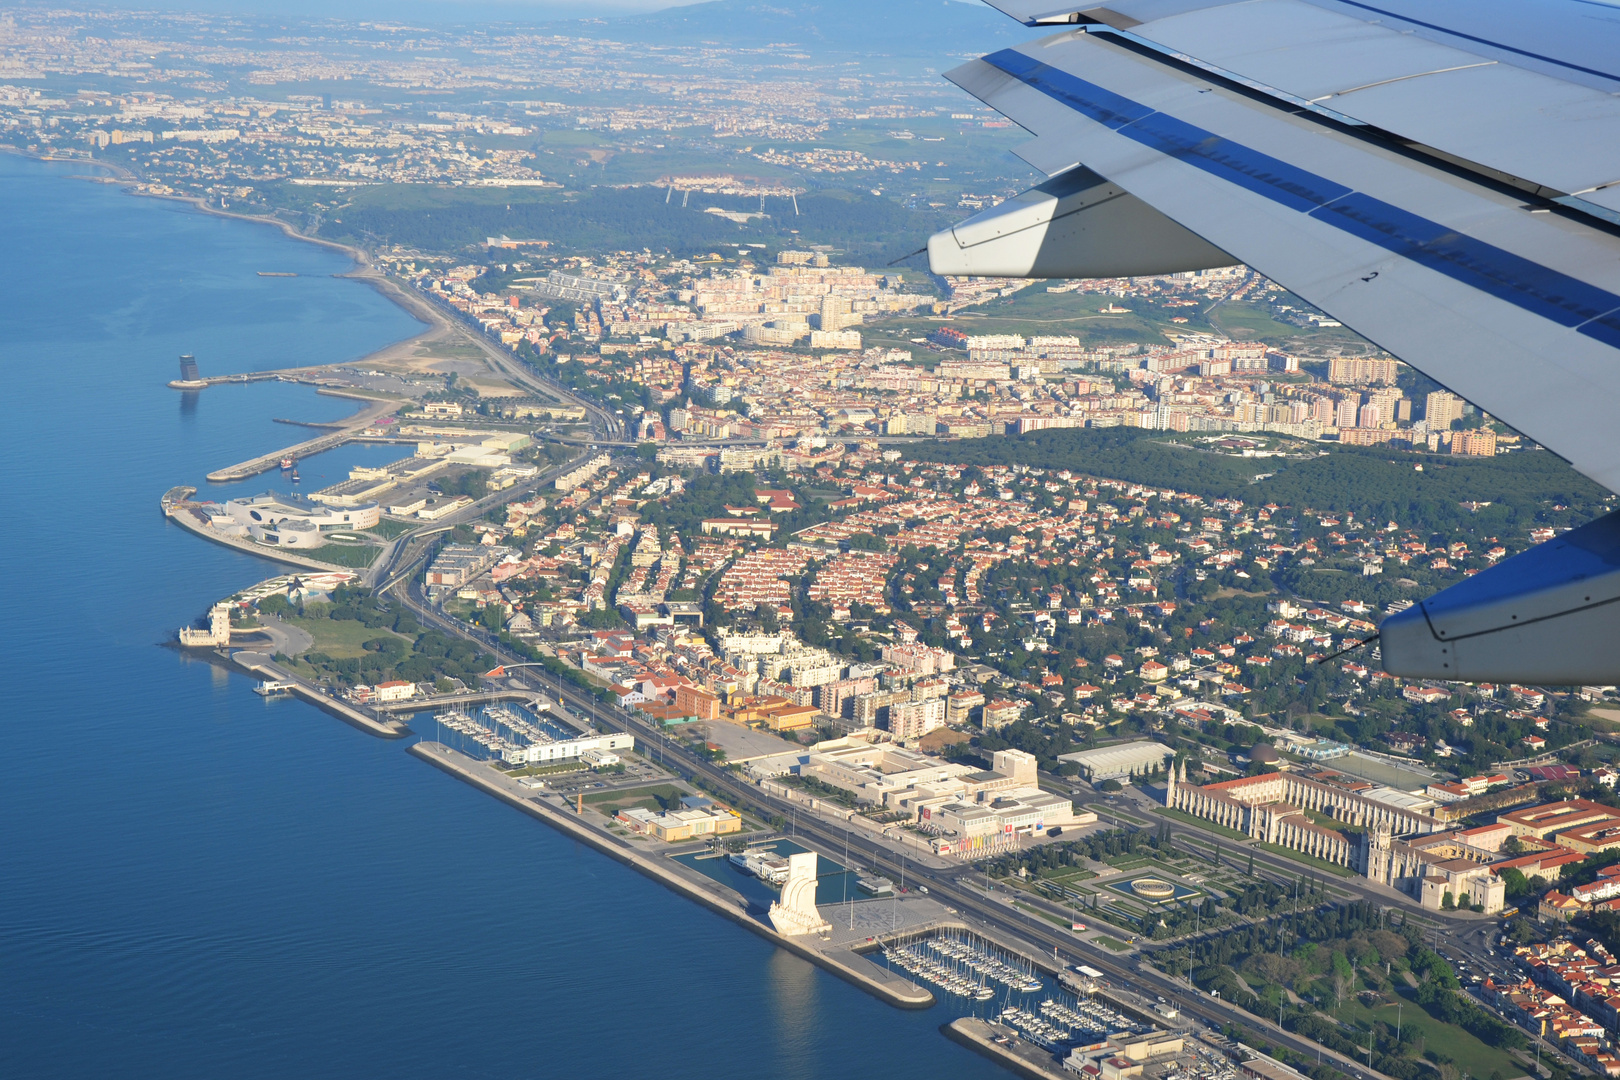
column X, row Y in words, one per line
column 1441, row 176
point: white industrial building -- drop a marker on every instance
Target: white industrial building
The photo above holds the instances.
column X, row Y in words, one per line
column 601, row 746
column 285, row 521
column 1120, row 762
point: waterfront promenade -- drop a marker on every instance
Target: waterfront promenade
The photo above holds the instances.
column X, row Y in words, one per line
column 837, row 953
column 264, row 666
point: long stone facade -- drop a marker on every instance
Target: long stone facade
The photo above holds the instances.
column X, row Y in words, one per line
column 1403, row 849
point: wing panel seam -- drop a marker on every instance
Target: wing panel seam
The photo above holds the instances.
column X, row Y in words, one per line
column 1481, row 41
column 1525, row 284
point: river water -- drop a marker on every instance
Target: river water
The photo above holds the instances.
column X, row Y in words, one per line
column 198, row 883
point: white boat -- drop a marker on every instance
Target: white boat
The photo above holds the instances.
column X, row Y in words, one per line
column 768, row 866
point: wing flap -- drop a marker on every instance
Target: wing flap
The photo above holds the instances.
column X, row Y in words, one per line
column 1546, row 130
column 1558, row 136
column 1519, row 312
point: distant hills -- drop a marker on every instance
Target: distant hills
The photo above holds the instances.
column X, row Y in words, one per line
column 911, row 28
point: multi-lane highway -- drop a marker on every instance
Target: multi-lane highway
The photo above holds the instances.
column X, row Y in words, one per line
column 607, row 424
column 952, row 885
column 959, row 886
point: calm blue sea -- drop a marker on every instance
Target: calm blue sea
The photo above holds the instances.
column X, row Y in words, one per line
column 197, row 883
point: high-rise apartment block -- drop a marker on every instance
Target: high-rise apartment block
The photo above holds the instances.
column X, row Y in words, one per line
column 1345, row 414
column 1359, row 371
column 914, row 719
column 1441, row 408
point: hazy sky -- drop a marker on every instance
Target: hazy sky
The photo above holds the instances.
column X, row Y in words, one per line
column 407, row 10
column 417, row 11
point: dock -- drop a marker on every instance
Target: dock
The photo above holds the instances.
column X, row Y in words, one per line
column 534, row 699
column 272, row 460
column 263, row 665
column 221, row 380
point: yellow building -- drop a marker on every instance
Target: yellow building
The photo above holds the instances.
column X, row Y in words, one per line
column 675, row 825
column 1600, row 836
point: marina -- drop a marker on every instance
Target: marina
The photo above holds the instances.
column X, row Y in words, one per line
column 963, row 966
column 1033, row 1028
column 966, row 967
column 516, row 734
column 1058, row 1026
column 956, row 979
column 986, row 961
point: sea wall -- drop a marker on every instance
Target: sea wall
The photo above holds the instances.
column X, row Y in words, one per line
column 711, row 895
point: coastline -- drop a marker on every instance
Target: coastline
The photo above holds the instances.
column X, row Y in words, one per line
column 282, row 854
column 259, row 664
column 281, row 555
column 436, row 324
column 875, row 981
column 709, row 894
column 418, row 309
column 341, row 432
column 433, row 322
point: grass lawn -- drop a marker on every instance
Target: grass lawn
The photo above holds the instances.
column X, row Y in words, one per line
column 1309, row 860
column 1110, row 943
column 353, row 556
column 1035, row 311
column 1200, row 823
column 1472, row 1056
column 341, row 638
column 388, row 528
column 1380, row 771
column 1324, row 820
column 1038, row 913
column 657, row 797
column 1128, row 862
